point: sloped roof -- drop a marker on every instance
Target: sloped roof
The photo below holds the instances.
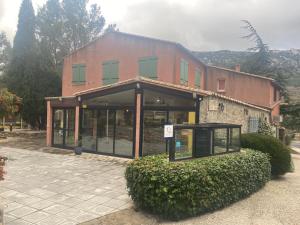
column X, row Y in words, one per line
column 169, row 86
column 175, row 44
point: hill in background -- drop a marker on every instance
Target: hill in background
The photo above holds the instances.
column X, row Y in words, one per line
column 289, row 60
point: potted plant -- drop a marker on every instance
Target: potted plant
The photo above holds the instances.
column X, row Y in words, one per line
column 78, row 148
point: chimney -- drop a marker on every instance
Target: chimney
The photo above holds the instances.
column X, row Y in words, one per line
column 238, row 68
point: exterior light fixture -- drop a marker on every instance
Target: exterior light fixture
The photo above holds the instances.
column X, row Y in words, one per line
column 79, row 98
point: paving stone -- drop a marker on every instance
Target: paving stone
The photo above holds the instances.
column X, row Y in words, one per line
column 19, row 222
column 54, row 209
column 101, row 210
column 36, row 216
column 42, row 204
column 64, row 187
column 52, row 220
column 21, row 212
column 12, row 206
column 8, row 218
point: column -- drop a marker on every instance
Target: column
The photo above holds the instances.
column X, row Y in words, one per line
column 49, row 124
column 76, row 125
column 137, row 124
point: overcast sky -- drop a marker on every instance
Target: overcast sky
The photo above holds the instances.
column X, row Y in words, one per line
column 197, row 24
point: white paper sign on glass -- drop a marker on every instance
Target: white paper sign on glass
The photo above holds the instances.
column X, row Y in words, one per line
column 168, row 131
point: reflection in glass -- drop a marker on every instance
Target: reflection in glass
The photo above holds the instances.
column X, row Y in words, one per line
column 105, row 131
column 234, row 139
column 124, row 132
column 70, row 127
column 183, row 143
column 153, row 137
column 58, row 127
column 89, row 129
column 220, row 140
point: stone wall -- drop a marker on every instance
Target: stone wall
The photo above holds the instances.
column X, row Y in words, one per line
column 214, row 109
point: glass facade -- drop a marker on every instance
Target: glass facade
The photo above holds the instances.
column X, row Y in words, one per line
column 153, row 141
column 220, row 140
column 64, row 127
column 108, row 131
column 58, row 127
column 124, row 132
column 105, row 131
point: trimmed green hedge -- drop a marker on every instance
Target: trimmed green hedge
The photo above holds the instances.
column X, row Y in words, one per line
column 187, row 188
column 280, row 156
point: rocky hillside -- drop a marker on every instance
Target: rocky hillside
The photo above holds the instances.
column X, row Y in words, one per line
column 288, row 59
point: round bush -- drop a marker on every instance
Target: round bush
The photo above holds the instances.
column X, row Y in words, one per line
column 280, row 156
column 181, row 189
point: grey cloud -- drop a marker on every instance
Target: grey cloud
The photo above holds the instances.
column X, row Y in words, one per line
column 216, row 24
column 1, row 9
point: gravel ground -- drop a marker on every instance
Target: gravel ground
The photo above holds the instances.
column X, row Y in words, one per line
column 278, row 203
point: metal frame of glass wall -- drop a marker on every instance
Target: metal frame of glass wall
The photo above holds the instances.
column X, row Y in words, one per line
column 110, row 128
column 65, row 128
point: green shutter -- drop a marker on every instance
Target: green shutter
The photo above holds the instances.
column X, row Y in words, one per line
column 184, row 71
column 78, row 73
column 81, row 73
column 148, row 67
column 197, row 78
column 110, row 71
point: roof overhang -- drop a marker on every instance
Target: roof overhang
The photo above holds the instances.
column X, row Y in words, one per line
column 141, row 83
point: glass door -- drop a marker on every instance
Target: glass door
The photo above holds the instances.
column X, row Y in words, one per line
column 64, row 127
column 58, row 127
column 124, row 132
column 105, row 131
column 153, row 135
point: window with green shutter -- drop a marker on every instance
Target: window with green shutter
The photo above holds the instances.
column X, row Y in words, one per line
column 78, row 73
column 184, row 71
column 148, row 67
column 110, row 72
column 197, row 78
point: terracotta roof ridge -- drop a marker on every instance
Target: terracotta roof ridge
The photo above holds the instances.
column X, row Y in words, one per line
column 240, row 72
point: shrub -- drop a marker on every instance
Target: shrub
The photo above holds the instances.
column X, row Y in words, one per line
column 280, row 156
column 181, row 189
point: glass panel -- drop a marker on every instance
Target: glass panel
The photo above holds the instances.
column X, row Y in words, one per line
column 124, row 98
column 89, row 129
column 105, row 130
column 183, row 143
column 124, row 132
column 220, row 140
column 58, row 125
column 181, row 117
column 234, row 139
column 152, row 98
column 70, row 127
column 153, row 140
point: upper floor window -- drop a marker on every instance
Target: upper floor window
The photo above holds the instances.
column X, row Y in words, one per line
column 148, row 67
column 197, row 78
column 221, row 85
column 78, row 73
column 110, row 72
column 184, row 71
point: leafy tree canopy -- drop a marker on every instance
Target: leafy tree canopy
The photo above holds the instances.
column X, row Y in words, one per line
column 9, row 103
column 64, row 26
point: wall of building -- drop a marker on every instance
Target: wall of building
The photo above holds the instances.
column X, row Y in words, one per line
column 127, row 49
column 212, row 111
column 243, row 87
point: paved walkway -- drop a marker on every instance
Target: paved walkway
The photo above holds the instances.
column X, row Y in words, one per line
column 42, row 188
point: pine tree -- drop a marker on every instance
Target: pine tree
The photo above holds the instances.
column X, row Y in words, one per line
column 30, row 74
